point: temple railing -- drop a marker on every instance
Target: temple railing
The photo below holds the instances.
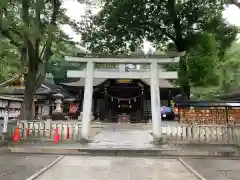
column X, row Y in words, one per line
column 209, row 134
column 174, row 132
column 46, row 130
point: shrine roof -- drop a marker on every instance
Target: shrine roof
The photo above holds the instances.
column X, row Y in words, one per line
column 48, row 87
column 97, row 81
column 20, row 91
column 12, row 98
column 235, row 95
column 133, row 55
column 208, row 104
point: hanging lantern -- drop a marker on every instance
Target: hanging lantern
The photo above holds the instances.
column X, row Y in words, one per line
column 129, row 101
column 112, row 99
column 73, row 107
column 134, row 99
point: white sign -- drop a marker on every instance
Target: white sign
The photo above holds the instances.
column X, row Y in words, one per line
column 3, row 121
column 15, row 105
column 45, row 110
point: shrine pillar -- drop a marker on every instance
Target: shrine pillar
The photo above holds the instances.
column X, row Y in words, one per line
column 87, row 101
column 155, row 100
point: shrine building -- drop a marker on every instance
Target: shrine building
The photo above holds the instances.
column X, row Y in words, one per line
column 113, row 97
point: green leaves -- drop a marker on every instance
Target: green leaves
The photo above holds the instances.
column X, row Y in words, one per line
column 202, row 60
column 3, row 3
column 9, row 60
column 34, row 26
column 192, row 25
column 127, row 22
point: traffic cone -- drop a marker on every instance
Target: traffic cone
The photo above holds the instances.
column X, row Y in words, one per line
column 28, row 132
column 16, row 135
column 68, row 133
column 56, row 137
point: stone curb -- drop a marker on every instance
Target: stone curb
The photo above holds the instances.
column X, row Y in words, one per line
column 123, row 152
column 45, row 168
column 190, row 168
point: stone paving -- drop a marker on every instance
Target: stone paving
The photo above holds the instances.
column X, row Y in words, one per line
column 123, row 135
column 117, row 168
column 20, row 167
column 216, row 169
column 126, row 136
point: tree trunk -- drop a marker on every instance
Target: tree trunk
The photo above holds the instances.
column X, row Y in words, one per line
column 183, row 69
column 30, row 89
column 183, row 78
column 28, row 104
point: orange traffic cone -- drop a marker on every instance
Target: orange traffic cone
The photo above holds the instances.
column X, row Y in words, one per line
column 56, row 137
column 28, row 132
column 16, row 135
column 68, row 133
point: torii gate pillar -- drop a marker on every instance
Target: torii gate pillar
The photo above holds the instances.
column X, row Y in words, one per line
column 87, row 101
column 155, row 101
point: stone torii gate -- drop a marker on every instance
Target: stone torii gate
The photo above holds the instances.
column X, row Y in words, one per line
column 154, row 73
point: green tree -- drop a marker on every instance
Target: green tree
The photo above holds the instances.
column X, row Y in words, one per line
column 234, row 2
column 58, row 67
column 228, row 75
column 9, row 61
column 33, row 27
column 122, row 25
column 229, row 70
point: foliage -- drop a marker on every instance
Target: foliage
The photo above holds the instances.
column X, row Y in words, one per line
column 33, row 27
column 228, row 73
column 234, row 2
column 121, row 27
column 124, row 24
column 57, row 65
column 9, row 60
column 202, row 60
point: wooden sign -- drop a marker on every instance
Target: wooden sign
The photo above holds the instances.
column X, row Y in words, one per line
column 124, row 81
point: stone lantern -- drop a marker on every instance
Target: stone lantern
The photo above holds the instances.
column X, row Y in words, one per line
column 57, row 113
column 58, row 102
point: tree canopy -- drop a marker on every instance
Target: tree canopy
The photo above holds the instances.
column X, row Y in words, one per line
column 193, row 26
column 9, row 60
column 34, row 27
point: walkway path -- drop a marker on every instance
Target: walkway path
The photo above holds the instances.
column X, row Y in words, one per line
column 123, row 136
column 117, row 168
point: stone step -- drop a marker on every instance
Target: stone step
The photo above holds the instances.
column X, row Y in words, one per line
column 118, row 151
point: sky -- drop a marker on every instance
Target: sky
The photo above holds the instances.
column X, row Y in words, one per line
column 75, row 10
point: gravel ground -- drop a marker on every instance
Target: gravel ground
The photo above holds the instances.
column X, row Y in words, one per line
column 20, row 167
column 215, row 169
